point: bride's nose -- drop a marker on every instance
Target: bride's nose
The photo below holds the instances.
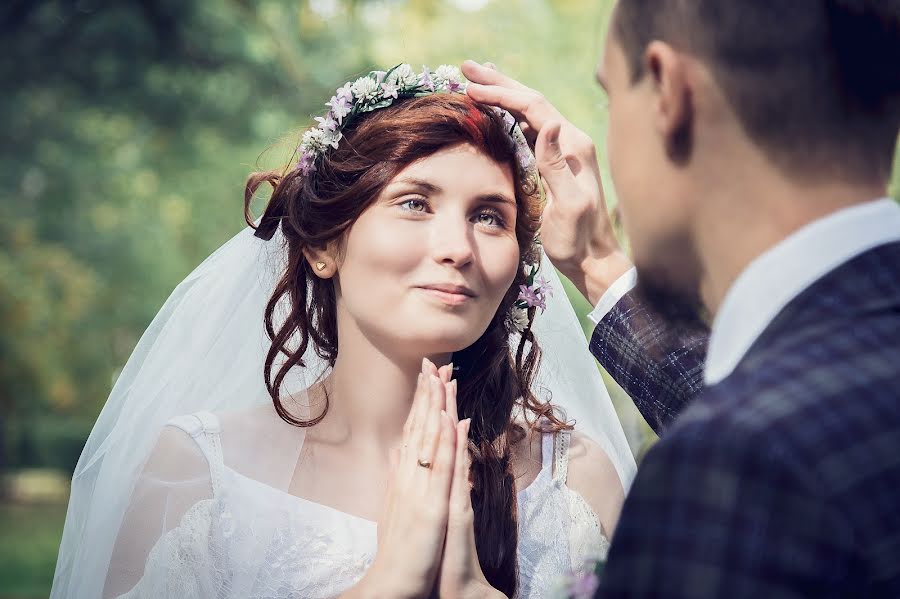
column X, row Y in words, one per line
column 452, row 241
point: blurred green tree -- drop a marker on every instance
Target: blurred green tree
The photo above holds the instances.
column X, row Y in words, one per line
column 129, row 128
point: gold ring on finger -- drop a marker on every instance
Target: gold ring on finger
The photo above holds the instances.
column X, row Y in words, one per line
column 424, row 463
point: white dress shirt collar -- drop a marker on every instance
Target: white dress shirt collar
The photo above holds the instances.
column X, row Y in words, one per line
column 780, row 274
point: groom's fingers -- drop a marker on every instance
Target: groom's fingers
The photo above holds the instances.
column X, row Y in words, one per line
column 488, row 74
column 553, row 164
column 490, row 86
column 524, row 104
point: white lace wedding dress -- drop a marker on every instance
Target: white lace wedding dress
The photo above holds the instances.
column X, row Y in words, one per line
column 248, row 539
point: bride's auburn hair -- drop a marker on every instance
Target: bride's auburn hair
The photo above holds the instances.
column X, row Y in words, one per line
column 316, row 210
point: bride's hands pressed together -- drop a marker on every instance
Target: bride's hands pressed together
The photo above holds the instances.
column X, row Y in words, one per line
column 413, row 525
column 460, row 575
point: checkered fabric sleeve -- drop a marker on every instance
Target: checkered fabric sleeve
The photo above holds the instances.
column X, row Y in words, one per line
column 659, row 365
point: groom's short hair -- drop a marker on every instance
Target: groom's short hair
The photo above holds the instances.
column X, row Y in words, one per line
column 815, row 83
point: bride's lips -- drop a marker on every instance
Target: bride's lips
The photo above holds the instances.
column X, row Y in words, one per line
column 453, row 295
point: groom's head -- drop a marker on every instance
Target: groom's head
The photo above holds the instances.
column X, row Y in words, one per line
column 709, row 96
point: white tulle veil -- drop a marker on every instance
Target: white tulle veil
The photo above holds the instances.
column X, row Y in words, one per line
column 204, row 352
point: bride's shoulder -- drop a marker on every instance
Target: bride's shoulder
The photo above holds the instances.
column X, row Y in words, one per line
column 592, row 474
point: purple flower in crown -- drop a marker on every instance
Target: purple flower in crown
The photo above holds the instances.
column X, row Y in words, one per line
column 447, row 77
column 425, row 79
column 328, row 122
column 340, row 107
column 306, row 164
column 544, row 286
column 532, row 297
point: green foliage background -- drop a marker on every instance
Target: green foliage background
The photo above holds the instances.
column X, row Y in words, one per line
column 129, row 128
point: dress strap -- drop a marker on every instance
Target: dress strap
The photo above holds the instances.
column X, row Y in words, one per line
column 204, row 428
column 546, row 451
column 561, row 456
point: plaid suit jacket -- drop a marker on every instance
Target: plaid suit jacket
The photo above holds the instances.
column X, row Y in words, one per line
column 783, row 480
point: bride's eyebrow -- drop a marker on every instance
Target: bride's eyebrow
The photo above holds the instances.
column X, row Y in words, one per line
column 496, row 198
column 420, row 184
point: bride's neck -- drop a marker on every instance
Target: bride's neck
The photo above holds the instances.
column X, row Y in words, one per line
column 370, row 391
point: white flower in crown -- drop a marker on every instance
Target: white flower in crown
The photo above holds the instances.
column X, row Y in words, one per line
column 316, row 140
column 365, row 89
column 390, row 90
column 517, row 320
column 403, row 76
column 380, row 89
column 448, row 77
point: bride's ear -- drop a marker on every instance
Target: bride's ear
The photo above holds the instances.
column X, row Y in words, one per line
column 321, row 262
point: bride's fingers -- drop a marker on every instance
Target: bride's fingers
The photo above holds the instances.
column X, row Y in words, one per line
column 450, row 392
column 460, row 493
column 444, row 463
column 412, row 438
column 445, row 372
column 440, row 392
column 427, row 447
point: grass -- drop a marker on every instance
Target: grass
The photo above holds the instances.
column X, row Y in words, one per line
column 29, row 540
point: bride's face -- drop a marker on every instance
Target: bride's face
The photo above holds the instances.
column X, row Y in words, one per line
column 423, row 270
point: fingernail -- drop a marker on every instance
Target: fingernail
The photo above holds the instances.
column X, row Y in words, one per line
column 424, row 363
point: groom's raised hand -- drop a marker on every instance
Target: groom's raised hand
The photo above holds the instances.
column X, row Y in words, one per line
column 576, row 230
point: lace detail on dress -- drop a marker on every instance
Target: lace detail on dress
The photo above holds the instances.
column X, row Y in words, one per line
column 251, row 540
column 559, row 534
column 587, row 541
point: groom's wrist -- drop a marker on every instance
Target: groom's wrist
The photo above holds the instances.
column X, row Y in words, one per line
column 596, row 274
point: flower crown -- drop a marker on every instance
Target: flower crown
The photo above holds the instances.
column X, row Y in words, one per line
column 380, row 89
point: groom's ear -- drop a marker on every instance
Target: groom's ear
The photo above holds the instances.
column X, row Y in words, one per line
column 673, row 108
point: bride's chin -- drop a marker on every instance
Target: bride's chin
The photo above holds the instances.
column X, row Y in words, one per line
column 440, row 340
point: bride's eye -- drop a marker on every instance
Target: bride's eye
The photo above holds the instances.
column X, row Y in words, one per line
column 415, row 205
column 490, row 218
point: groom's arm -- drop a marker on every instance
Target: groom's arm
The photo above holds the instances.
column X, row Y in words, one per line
column 659, row 364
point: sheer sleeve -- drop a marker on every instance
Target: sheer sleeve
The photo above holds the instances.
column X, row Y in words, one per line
column 164, row 546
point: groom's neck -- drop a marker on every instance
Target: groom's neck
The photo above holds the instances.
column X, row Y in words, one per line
column 756, row 211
